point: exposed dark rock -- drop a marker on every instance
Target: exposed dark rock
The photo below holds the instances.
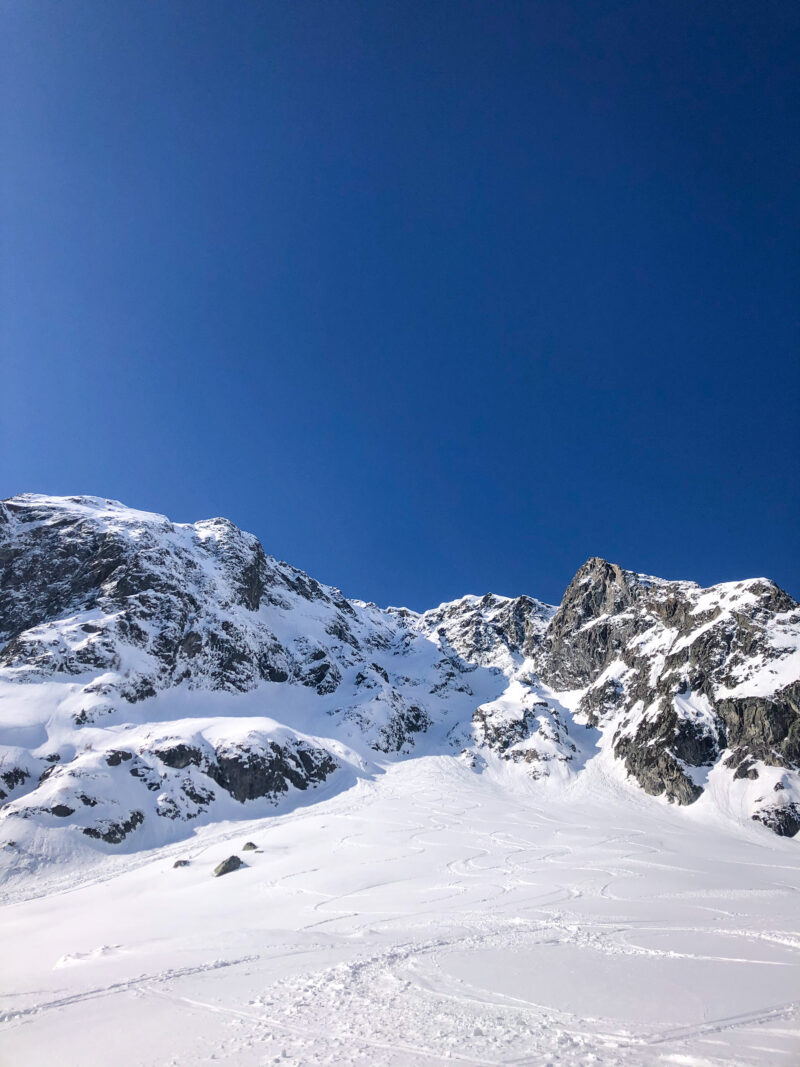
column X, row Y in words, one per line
column 581, row 638
column 179, row 756
column 251, row 775
column 653, row 752
column 501, row 734
column 191, row 645
column 784, row 821
column 323, row 676
column 249, row 846
column 274, row 674
column 767, row 729
column 16, row 776
column 602, row 701
column 180, row 863
column 609, row 615
column 50, row 564
column 232, row 863
column 114, row 832
column 197, row 794
column 406, row 721
column 117, row 756
column 146, row 774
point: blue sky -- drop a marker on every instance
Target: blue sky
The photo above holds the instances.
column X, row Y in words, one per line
column 434, row 298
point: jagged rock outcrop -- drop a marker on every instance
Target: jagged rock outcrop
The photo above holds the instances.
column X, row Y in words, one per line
column 493, row 631
column 783, row 818
column 670, row 667
column 154, row 674
column 252, row 769
column 763, row 728
column 594, row 621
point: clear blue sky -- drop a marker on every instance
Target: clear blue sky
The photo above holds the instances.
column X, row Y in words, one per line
column 434, row 297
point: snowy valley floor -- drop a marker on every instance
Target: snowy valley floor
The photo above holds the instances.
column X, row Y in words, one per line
column 430, row 915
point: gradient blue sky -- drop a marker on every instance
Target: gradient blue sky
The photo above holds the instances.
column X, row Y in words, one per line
column 435, row 298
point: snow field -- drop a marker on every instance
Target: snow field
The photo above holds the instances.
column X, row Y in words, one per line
column 429, row 915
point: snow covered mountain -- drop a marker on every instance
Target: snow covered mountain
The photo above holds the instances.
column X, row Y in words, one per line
column 155, row 676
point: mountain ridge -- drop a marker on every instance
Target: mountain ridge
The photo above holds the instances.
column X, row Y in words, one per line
column 155, row 675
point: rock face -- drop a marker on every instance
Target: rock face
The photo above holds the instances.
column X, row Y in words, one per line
column 153, row 674
column 252, row 770
column 155, row 604
column 681, row 676
column 493, row 631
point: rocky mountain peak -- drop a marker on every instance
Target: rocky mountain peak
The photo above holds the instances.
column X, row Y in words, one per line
column 581, row 635
column 598, row 587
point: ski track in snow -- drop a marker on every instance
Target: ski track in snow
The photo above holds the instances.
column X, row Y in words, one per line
column 429, row 916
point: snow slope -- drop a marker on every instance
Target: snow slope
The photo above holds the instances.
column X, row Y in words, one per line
column 426, row 916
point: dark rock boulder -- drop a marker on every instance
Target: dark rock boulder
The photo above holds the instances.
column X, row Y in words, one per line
column 232, row 863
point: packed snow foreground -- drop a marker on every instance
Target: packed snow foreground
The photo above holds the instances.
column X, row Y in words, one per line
column 494, row 832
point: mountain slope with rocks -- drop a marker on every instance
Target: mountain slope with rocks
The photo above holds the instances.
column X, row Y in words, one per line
column 155, row 676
